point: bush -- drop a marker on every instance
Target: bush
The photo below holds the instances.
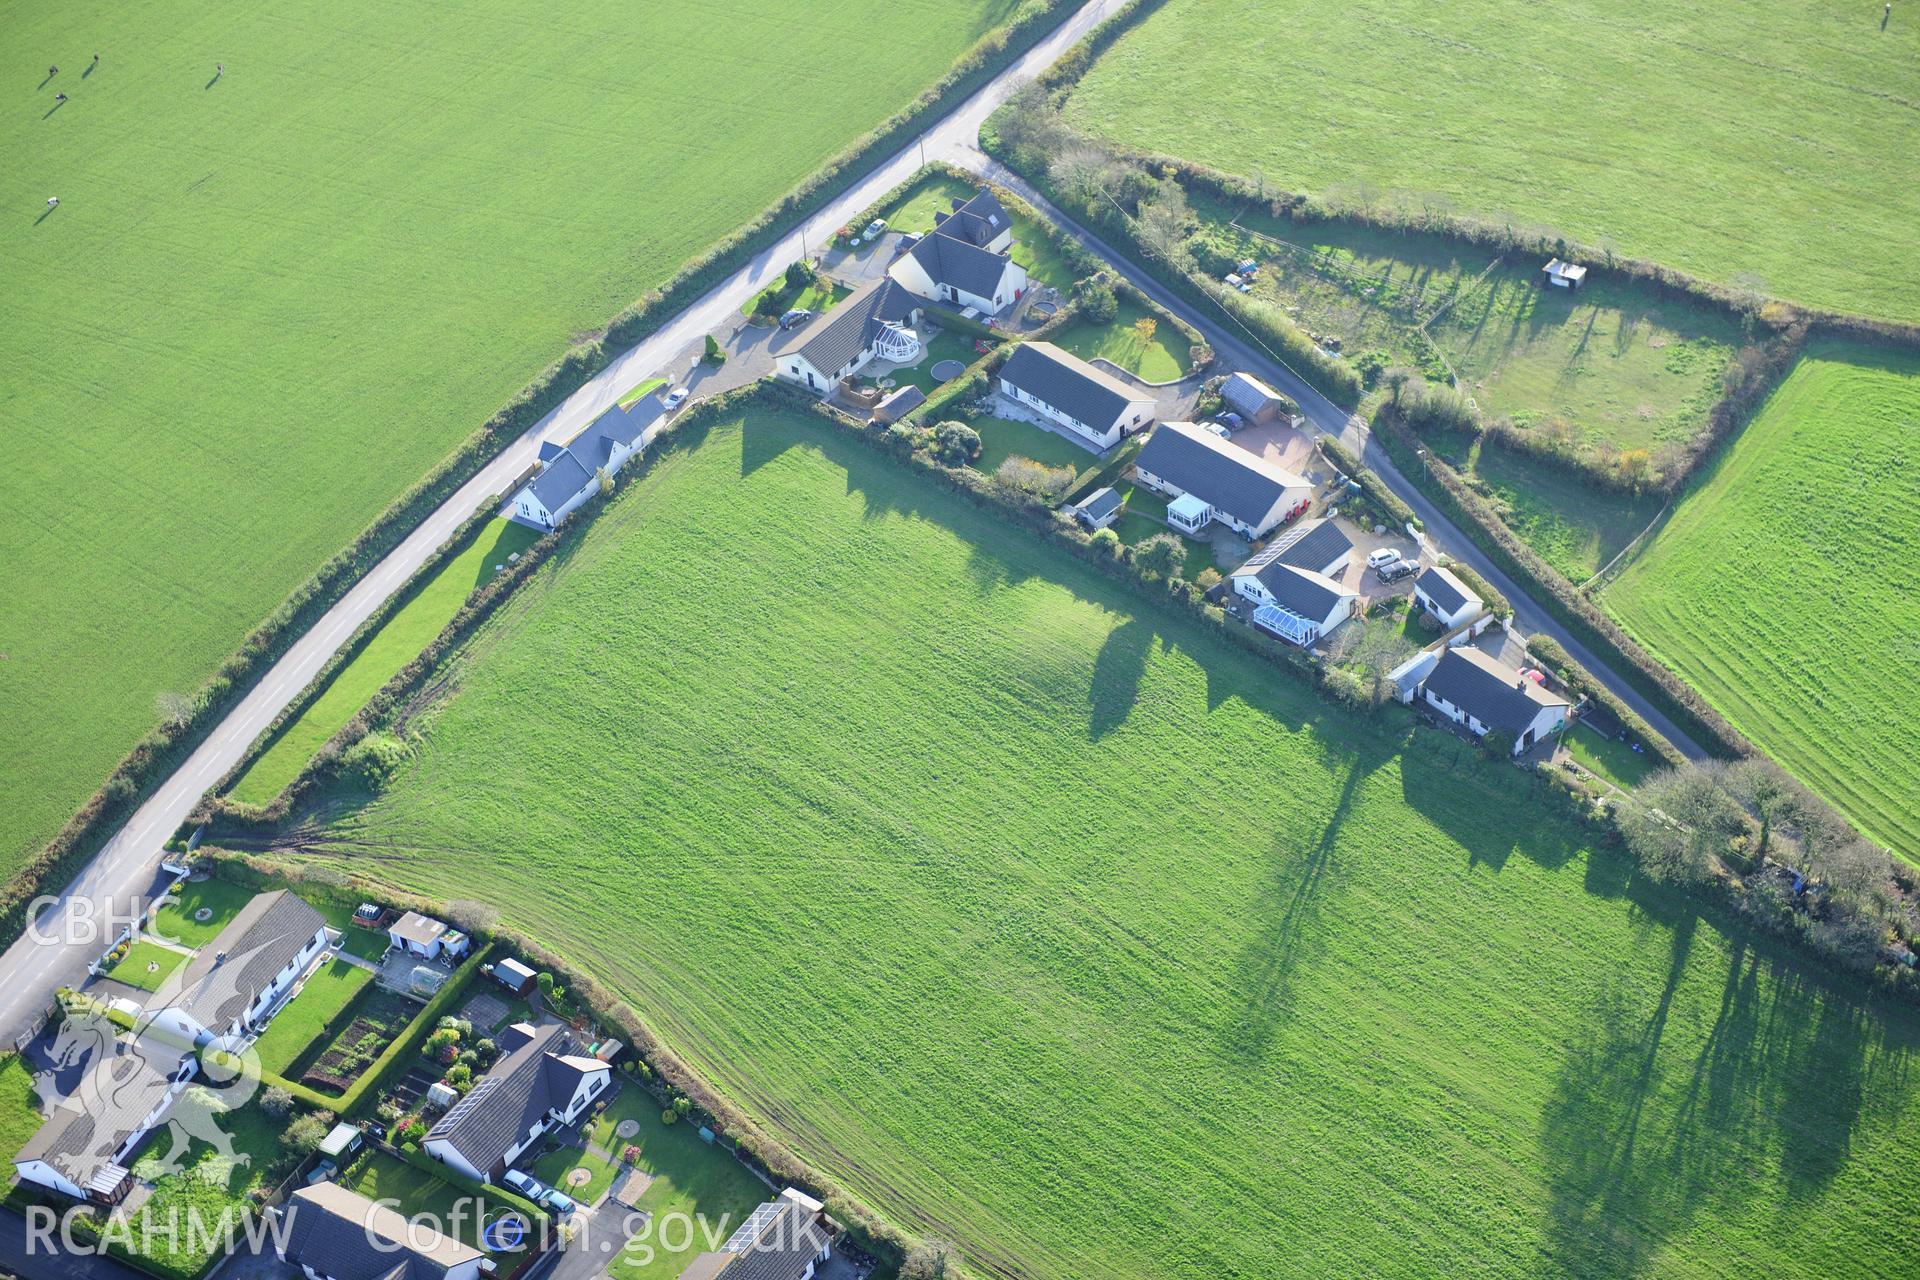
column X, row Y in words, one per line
column 768, row 305
column 955, row 443
column 713, row 355
column 1028, row 476
column 411, row 1132
column 1161, row 556
column 276, row 1102
column 307, row 1133
column 372, row 761
column 800, row 274
column 1097, row 303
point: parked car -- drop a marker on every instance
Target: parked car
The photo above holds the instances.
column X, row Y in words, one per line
column 1217, row 429
column 560, row 1203
column 1230, row 420
column 676, row 398
column 1382, row 556
column 1390, row 573
column 874, row 228
column 799, row 315
column 528, row 1185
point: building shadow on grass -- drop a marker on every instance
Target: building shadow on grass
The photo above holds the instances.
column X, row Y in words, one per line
column 1442, row 774
column 1639, row 1135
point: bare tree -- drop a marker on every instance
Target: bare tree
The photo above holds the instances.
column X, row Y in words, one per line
column 473, row 917
column 1162, row 224
column 1382, row 648
column 1682, row 821
column 1761, row 788
column 931, row 1259
column 175, row 709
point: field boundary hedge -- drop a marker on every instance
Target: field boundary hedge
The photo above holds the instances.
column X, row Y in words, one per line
column 357, row 643
column 156, row 755
column 1444, row 486
column 1547, row 651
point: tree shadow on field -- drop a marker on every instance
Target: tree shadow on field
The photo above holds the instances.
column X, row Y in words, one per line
column 1444, row 779
column 1639, row 1135
column 1286, row 917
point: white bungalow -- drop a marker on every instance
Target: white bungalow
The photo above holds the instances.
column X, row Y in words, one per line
column 1210, row 479
column 875, row 322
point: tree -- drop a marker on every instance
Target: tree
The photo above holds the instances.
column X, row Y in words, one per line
column 1380, row 649
column 927, row 1260
column 1680, row 822
column 1108, row 541
column 276, row 1102
column 1760, row 787
column 1160, row 556
column 713, row 354
column 1209, row 579
column 955, row 443
column 1395, row 379
column 1097, row 301
column 1144, row 328
column 1161, row 224
column 769, row 303
column 800, row 274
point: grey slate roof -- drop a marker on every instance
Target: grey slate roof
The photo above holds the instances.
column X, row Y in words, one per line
column 960, row 263
column 563, row 477
column 1099, row 504
column 1489, row 691
column 836, row 338
column 1300, row 591
column 976, row 220
column 218, row 984
column 1444, row 589
column 1224, row 476
column 776, row 1242
column 1246, row 394
column 1311, row 544
column 899, row 402
column 122, row 1089
column 1069, row 384
column 533, row 1079
column 348, row 1236
column 571, row 467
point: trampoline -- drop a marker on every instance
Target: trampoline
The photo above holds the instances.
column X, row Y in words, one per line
column 947, row 370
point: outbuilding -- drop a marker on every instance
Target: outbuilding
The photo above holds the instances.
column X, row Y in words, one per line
column 1441, row 593
column 1099, row 509
column 424, row 936
column 1563, row 275
column 1254, row 400
column 514, row 976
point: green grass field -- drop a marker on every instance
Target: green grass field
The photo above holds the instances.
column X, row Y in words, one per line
column 1164, row 358
column 1783, row 585
column 1051, row 904
column 297, row 1026
column 1576, row 526
column 1699, row 136
column 20, row 1116
column 269, row 303
column 146, row 965
column 399, row 641
column 1620, row 364
column 1608, row 758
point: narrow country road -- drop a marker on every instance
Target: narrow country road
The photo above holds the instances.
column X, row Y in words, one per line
column 124, row 870
column 1331, row 419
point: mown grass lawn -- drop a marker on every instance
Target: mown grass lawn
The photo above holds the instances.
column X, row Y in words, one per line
column 1695, row 135
column 295, row 1028
column 222, row 899
column 368, row 944
column 1003, row 438
column 399, row 641
column 1608, row 758
column 146, row 965
column 1783, row 585
column 1097, row 911
column 1163, row 358
column 936, row 192
column 414, row 1191
column 553, row 1168
column 269, row 303
column 693, row 1181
